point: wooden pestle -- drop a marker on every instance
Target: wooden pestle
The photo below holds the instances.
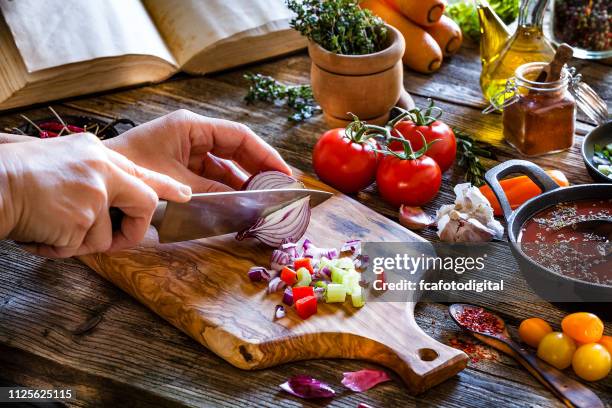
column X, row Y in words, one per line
column 552, row 72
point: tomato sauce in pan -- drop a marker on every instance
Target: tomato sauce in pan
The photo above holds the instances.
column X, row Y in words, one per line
column 550, row 240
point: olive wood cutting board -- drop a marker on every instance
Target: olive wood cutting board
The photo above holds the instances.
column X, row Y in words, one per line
column 202, row 288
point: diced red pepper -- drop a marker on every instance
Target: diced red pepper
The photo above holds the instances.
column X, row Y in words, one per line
column 45, row 134
column 306, row 307
column 289, row 276
column 303, row 263
column 302, row 292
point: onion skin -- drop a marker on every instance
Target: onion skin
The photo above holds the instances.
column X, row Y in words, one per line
column 271, row 180
column 414, row 218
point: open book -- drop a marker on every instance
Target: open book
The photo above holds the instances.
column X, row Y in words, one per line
column 55, row 49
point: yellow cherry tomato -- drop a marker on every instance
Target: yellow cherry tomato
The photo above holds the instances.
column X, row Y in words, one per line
column 592, row 362
column 606, row 341
column 583, row 327
column 533, row 330
column 557, row 349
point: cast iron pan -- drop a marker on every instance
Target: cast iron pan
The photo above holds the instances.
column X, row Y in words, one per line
column 601, row 135
column 547, row 283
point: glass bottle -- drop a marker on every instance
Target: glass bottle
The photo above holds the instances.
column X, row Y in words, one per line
column 528, row 44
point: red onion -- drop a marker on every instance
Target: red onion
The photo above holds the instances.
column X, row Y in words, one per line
column 275, row 285
column 288, row 297
column 307, row 387
column 290, row 221
column 361, row 261
column 258, row 274
column 363, row 380
column 353, row 246
column 279, row 259
column 271, row 180
column 319, row 293
column 290, row 248
column 414, row 218
column 279, row 312
column 312, row 251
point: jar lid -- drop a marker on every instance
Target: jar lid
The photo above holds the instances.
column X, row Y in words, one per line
column 588, row 101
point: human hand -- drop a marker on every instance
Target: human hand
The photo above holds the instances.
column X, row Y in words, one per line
column 205, row 153
column 61, row 189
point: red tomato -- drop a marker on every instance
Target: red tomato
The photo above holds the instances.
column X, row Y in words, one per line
column 411, row 182
column 343, row 163
column 443, row 151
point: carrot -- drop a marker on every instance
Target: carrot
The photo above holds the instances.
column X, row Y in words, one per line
column 447, row 34
column 423, row 12
column 423, row 54
column 520, row 189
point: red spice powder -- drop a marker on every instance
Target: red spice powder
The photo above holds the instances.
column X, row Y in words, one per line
column 480, row 321
column 475, row 351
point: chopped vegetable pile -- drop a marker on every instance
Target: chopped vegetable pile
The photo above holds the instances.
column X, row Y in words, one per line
column 602, row 158
column 310, row 275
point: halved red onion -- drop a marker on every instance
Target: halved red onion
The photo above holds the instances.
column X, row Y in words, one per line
column 307, row 387
column 363, row 380
column 271, row 180
column 258, row 274
column 279, row 312
column 414, row 218
column 288, row 222
column 275, row 285
column 288, row 297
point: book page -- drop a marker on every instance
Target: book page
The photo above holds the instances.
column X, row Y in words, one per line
column 52, row 33
column 191, row 26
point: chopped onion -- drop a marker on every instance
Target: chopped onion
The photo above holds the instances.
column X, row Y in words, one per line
column 288, row 297
column 279, row 312
column 414, row 218
column 352, row 246
column 361, row 261
column 290, row 248
column 312, row 251
column 319, row 293
column 275, row 285
column 290, row 221
column 258, row 274
column 363, row 380
column 279, row 259
column 303, row 386
column 271, row 180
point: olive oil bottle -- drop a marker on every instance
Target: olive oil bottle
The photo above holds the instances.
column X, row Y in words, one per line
column 501, row 53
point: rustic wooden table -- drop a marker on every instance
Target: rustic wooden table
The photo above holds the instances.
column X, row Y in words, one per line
column 62, row 325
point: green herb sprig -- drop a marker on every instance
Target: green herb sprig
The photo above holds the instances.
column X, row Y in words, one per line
column 468, row 152
column 298, row 98
column 339, row 26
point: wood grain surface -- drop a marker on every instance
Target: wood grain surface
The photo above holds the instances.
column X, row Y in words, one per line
column 131, row 357
column 201, row 287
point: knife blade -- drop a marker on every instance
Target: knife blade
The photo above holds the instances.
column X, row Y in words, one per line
column 212, row 214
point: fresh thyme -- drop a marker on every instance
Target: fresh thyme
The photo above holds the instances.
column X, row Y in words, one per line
column 468, row 152
column 298, row 98
column 339, row 26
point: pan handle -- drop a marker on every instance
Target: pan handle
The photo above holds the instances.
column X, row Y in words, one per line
column 531, row 170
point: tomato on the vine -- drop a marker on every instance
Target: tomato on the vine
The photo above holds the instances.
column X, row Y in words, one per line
column 426, row 123
column 346, row 158
column 409, row 177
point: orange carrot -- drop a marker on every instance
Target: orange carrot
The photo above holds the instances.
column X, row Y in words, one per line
column 423, row 12
column 520, row 189
column 447, row 34
column 423, row 54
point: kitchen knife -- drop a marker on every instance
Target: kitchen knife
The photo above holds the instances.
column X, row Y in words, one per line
column 212, row 214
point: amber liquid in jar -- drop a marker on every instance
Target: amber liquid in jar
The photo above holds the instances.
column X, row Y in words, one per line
column 541, row 120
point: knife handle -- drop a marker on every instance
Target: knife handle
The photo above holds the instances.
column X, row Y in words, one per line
column 116, row 216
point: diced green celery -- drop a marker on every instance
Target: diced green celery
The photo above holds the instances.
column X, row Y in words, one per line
column 345, row 263
column 323, row 262
column 335, row 293
column 320, row 284
column 605, row 169
column 337, row 274
column 357, row 298
column 304, row 277
column 350, row 280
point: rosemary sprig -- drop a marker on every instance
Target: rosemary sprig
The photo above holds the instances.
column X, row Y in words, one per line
column 468, row 152
column 298, row 98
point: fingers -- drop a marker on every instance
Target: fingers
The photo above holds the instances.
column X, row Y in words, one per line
column 203, row 185
column 224, row 171
column 99, row 238
column 166, row 187
column 233, row 141
column 137, row 201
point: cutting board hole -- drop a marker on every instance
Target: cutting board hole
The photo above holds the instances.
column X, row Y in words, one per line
column 427, row 354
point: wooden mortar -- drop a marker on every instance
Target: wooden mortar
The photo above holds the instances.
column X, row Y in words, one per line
column 366, row 85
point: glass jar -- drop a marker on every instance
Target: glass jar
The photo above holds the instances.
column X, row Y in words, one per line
column 586, row 25
column 538, row 117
